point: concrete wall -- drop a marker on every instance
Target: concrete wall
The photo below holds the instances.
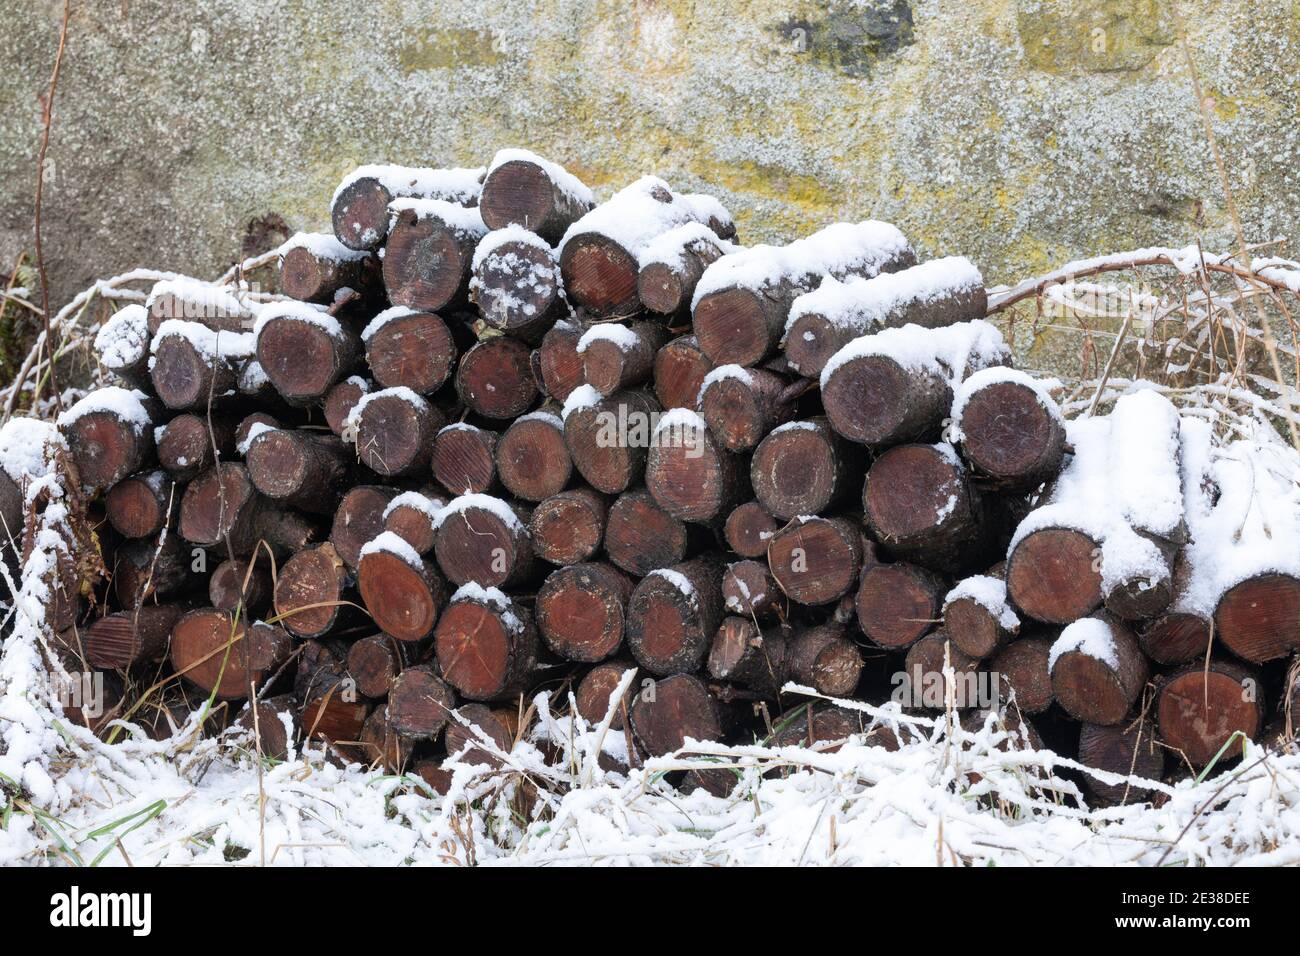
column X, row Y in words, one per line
column 1019, row 132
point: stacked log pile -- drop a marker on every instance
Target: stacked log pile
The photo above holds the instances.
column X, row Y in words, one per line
column 502, row 437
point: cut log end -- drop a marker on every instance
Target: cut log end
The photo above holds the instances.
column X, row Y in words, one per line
column 1053, row 575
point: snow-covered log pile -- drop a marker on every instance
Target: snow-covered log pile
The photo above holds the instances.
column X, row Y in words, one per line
column 506, row 439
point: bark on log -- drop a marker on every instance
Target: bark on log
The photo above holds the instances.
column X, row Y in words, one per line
column 803, row 468
column 582, row 611
column 568, row 528
column 414, row 349
column 673, row 614
column 359, row 210
column 186, row 450
column 382, row 746
column 144, row 570
column 750, row 590
column 522, row 192
column 311, row 590
column 1010, row 437
column 495, row 378
column 977, row 629
column 107, row 446
column 556, row 364
column 532, row 460
column 743, row 405
column 1176, row 638
column 375, row 661
column 667, row 285
column 411, row 517
column 1098, row 689
column 1199, row 710
column 816, row 560
column 486, row 646
column 899, row 603
column 679, row 371
column 341, row 399
column 311, row 271
column 186, row 377
column 221, row 509
column 199, row 644
column 741, row 653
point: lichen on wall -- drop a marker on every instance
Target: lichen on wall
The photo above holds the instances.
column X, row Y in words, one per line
column 1022, row 133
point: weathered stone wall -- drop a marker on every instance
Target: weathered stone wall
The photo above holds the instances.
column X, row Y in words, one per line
column 1019, row 132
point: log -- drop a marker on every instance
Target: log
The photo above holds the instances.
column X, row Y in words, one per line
column 599, row 255
column 404, row 593
column 825, row 659
column 1258, row 619
column 743, row 300
column 608, row 439
column 109, row 435
column 977, row 617
column 596, row 688
column 820, row 723
column 680, row 707
column 482, row 539
column 495, row 378
column 897, row 385
column 304, row 351
column 431, row 773
column 568, row 528
column 679, row 371
column 119, row 640
column 1023, row 668
column 429, row 252
column 1125, row 750
column 194, row 367
column 749, row 528
column 918, row 501
column 359, row 519
column 1009, row 430
column 375, row 661
column 234, row 585
column 139, row 506
column 383, row 746
column 335, row 716
column 409, row 348
column 183, row 299
column 899, row 603
column 1054, row 575
column 464, row 458
column 671, row 269
column 122, row 344
column 516, row 284
column 926, row 685
column 341, row 399
column 581, row 611
column 486, row 645
column 750, row 590
column 556, row 364
column 316, row 267
column 311, row 592
column 263, row 719
column 411, row 516
column 219, row 655
column 742, row 653
column 523, row 189
column 803, row 468
column 532, row 460
column 359, row 210
column 221, row 509
column 146, row 570
column 299, row 469
column 420, row 702
column 1098, row 670
column 742, row 405
column 816, row 560
column 690, row 475
column 931, row 295
column 640, row 536
column 616, row 357
column 1200, row 708
column 673, row 614
column 462, row 738
column 1176, row 638
column 393, row 431
column 186, row 446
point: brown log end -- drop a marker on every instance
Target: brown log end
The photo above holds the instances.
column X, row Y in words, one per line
column 1259, row 618
column 1052, row 575
column 581, row 611
column 899, row 603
